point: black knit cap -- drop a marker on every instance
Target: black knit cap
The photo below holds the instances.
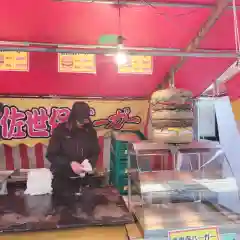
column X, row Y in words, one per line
column 80, row 112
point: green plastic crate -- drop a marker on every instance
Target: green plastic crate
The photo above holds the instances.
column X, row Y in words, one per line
column 123, row 190
column 119, row 161
column 118, row 171
column 122, row 185
column 120, row 148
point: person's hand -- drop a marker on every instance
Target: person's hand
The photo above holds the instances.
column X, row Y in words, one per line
column 77, row 168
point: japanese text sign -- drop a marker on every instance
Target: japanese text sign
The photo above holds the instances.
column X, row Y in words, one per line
column 205, row 233
column 14, row 61
column 137, row 65
column 31, row 120
column 76, row 63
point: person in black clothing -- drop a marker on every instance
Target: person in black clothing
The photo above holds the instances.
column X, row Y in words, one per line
column 72, row 143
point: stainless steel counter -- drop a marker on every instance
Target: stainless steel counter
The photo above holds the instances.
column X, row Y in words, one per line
column 186, row 196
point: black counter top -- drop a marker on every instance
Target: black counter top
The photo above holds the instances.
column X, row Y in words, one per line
column 20, row 212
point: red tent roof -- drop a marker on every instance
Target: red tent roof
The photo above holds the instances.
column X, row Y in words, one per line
column 142, row 26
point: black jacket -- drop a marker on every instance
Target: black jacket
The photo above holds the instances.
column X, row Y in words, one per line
column 69, row 144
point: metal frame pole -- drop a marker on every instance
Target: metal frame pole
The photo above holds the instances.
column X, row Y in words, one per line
column 215, row 89
column 103, row 49
column 112, row 51
column 8, row 43
column 217, row 12
column 172, row 80
column 196, row 119
column 146, row 3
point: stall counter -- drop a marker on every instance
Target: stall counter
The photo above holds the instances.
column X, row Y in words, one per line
column 91, row 233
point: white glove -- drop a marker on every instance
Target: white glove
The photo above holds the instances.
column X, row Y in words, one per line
column 87, row 166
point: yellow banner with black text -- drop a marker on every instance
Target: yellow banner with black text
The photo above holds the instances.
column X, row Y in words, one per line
column 14, row 61
column 31, row 120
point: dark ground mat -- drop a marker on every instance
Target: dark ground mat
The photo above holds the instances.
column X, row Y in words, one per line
column 19, row 212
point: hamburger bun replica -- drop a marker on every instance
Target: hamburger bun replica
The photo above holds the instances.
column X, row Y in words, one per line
column 172, row 116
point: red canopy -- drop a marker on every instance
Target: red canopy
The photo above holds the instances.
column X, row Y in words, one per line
column 166, row 26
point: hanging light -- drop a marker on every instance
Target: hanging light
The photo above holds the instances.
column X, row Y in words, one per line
column 121, row 56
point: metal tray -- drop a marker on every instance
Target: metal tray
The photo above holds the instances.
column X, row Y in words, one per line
column 161, row 218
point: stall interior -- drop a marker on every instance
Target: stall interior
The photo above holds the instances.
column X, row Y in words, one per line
column 200, row 191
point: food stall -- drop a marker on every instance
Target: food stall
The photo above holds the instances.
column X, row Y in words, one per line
column 22, row 211
column 196, row 195
column 53, row 53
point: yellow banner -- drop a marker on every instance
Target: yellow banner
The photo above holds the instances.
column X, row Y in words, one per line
column 236, row 109
column 236, row 112
column 205, row 233
column 14, row 61
column 31, row 120
column 76, row 63
column 137, row 65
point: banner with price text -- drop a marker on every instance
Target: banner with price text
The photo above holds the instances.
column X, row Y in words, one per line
column 137, row 65
column 14, row 61
column 203, row 233
column 31, row 120
column 76, row 63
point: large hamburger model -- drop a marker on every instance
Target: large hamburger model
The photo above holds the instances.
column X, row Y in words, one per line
column 172, row 116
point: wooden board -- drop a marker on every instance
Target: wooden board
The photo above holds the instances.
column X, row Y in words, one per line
column 133, row 232
column 92, row 233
